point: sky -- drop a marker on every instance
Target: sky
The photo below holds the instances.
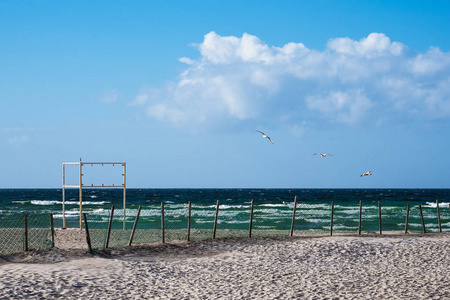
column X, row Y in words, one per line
column 178, row 90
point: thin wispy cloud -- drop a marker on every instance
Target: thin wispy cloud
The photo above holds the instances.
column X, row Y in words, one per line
column 18, row 141
column 109, row 97
column 243, row 78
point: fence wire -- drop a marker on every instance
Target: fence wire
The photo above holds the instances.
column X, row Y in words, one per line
column 171, row 223
column 21, row 232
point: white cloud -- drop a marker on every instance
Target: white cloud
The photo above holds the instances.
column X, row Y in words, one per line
column 109, row 97
column 18, row 141
column 243, row 78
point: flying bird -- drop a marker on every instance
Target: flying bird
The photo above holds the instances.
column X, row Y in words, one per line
column 266, row 137
column 323, row 154
column 368, row 173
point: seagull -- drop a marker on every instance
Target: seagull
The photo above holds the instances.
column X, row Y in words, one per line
column 323, row 154
column 265, row 136
column 368, row 173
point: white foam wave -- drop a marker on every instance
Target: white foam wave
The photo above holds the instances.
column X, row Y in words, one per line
column 53, row 202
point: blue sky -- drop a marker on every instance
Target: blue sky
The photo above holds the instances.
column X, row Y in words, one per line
column 177, row 89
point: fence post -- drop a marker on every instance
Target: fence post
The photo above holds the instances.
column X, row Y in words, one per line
column 360, row 216
column 134, row 225
column 189, row 223
column 439, row 215
column 423, row 221
column 26, row 232
column 215, row 219
column 407, row 219
column 293, row 216
column 88, row 237
column 251, row 219
column 331, row 222
column 52, row 229
column 379, row 215
column 163, row 234
column 109, row 228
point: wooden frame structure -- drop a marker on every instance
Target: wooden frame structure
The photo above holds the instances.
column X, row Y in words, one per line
column 80, row 186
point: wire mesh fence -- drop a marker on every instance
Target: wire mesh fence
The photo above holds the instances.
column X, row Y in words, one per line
column 24, row 232
column 173, row 222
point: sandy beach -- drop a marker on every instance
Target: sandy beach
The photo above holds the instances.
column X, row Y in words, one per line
column 338, row 267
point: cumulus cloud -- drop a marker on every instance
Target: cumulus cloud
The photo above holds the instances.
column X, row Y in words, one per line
column 237, row 79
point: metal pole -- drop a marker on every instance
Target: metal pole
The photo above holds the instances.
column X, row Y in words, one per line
column 407, row 219
column 251, row 219
column 439, row 215
column 360, row 216
column 189, row 223
column 215, row 220
column 293, row 216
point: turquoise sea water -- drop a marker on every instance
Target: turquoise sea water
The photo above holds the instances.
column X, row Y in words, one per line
column 273, row 208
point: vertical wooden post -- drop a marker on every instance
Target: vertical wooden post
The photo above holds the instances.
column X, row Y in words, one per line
column 331, row 222
column 189, row 223
column 26, row 232
column 109, row 228
column 81, row 193
column 124, row 193
column 163, row 233
column 360, row 216
column 134, row 225
column 439, row 215
column 407, row 219
column 379, row 215
column 293, row 216
column 423, row 221
column 251, row 219
column 215, row 220
column 64, row 196
column 88, row 237
column 52, row 229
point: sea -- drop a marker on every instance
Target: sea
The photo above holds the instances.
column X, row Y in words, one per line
column 273, row 209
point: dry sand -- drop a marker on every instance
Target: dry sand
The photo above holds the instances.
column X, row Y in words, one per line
column 338, row 267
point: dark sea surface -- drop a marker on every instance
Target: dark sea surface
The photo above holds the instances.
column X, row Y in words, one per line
column 273, row 208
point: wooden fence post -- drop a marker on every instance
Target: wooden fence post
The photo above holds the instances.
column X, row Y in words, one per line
column 293, row 216
column 360, row 216
column 423, row 221
column 189, row 223
column 88, row 237
column 109, row 228
column 26, row 232
column 331, row 222
column 407, row 219
column 163, row 234
column 52, row 229
column 134, row 225
column 251, row 219
column 215, row 220
column 439, row 216
column 379, row 215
